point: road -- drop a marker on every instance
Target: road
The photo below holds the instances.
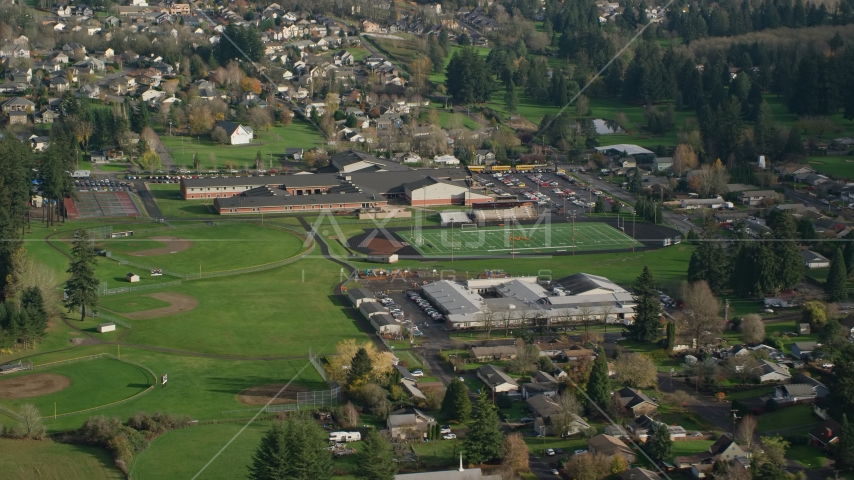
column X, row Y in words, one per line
column 166, row 161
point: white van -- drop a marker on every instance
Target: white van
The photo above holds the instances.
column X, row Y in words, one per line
column 345, row 436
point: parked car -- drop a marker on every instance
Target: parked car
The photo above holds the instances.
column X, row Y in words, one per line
column 550, row 452
column 417, row 372
column 527, row 420
column 579, row 452
column 555, row 472
column 445, row 429
column 449, row 436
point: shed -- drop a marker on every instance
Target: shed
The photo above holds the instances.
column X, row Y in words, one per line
column 382, row 257
column 132, row 277
column 803, row 329
column 106, row 327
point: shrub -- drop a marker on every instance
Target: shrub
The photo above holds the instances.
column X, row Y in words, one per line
column 502, row 400
column 771, row 405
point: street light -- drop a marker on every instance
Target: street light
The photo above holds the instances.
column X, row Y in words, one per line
column 633, row 231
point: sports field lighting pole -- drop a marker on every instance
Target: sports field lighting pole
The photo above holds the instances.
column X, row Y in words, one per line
column 633, row 231
column 573, row 233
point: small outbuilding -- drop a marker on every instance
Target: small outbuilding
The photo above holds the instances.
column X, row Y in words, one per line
column 383, row 257
column 132, row 277
column 106, row 327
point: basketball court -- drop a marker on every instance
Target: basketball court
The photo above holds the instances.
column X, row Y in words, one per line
column 101, row 204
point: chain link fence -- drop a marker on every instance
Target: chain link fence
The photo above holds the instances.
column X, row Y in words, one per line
column 103, row 290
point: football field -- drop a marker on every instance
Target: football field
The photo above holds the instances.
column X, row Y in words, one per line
column 520, row 239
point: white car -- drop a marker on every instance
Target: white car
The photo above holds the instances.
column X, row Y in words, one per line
column 417, row 373
column 449, row 436
column 550, row 452
column 445, row 429
column 826, row 365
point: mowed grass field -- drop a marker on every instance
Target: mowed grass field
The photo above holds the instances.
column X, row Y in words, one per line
column 272, row 141
column 49, row 460
column 200, row 387
column 221, row 247
column 277, row 312
column 841, row 166
column 518, row 239
column 182, row 453
column 172, row 205
column 93, row 383
column 130, row 303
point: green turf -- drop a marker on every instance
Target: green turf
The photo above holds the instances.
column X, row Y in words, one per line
column 271, row 141
column 798, row 416
column 806, row 455
column 841, row 166
column 518, row 239
column 172, row 205
column 49, row 460
column 113, row 167
column 182, row 453
column 691, row 447
column 278, row 312
column 94, row 383
column 130, row 303
column 221, row 247
column 130, row 244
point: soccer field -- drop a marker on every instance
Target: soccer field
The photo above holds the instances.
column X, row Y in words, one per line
column 518, row 239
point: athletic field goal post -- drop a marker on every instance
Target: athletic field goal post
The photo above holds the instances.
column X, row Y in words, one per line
column 468, row 226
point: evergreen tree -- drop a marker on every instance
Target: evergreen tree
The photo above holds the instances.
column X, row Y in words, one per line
column 484, row 442
column 82, row 287
column 837, row 276
column 360, row 366
column 510, row 97
column 845, row 450
column 599, row 385
column 841, row 385
column 32, row 302
column 245, row 44
column 444, row 40
column 468, row 79
column 436, row 54
column 671, row 335
column 647, row 311
column 848, row 253
column 294, row 450
column 456, row 403
column 600, row 205
column 375, row 460
column 790, row 270
column 658, row 445
column 794, row 144
column 709, row 262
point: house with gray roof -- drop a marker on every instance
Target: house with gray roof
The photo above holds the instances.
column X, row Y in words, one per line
column 408, row 424
column 496, row 379
column 795, row 393
column 803, row 350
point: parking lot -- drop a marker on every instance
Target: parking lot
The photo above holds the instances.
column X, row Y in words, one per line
column 103, row 185
column 555, row 192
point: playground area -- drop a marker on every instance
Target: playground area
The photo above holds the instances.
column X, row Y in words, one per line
column 518, row 239
column 101, row 205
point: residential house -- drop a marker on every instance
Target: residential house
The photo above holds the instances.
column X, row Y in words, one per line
column 237, row 133
column 642, row 425
column 724, row 449
column 814, row 260
column 803, row 350
column 541, row 384
column 122, row 85
column 59, row 83
column 45, row 116
column 795, row 393
column 21, row 75
column 39, row 144
column 610, row 447
column 616, row 431
column 484, row 157
column 409, row 424
column 496, row 379
column 756, row 197
column 91, row 90
column 772, row 372
column 544, row 408
column 825, row 434
column 637, row 402
column 848, row 324
column 501, row 352
column 17, row 104
column 662, row 163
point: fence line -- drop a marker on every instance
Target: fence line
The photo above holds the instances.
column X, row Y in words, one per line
column 317, row 366
column 10, row 413
column 69, row 360
column 103, row 290
column 107, row 316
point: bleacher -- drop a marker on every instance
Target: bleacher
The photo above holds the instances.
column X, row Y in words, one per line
column 502, row 215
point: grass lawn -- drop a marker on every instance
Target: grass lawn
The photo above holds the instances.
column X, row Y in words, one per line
column 131, row 303
column 841, row 166
column 172, row 205
column 786, row 418
column 753, row 392
column 113, row 167
column 278, row 312
column 225, row 246
column 672, row 415
column 806, row 455
column 438, row 453
column 182, row 453
column 93, row 383
column 49, row 460
column 516, row 412
column 500, row 240
column 690, row 447
column 271, row 141
column 538, row 445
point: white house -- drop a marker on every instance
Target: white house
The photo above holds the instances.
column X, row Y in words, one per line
column 446, row 160
column 237, row 133
column 772, row 372
column 814, row 260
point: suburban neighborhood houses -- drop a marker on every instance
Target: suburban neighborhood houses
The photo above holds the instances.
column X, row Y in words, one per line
column 586, row 240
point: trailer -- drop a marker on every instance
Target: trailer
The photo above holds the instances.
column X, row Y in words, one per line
column 344, row 437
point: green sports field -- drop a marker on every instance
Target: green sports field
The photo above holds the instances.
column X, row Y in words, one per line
column 518, row 239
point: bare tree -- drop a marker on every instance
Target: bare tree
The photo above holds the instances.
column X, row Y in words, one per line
column 589, row 466
column 752, row 329
column 745, row 430
column 31, row 423
column 351, row 414
column 516, row 453
column 526, row 359
column 701, row 319
column 684, row 159
column 585, row 313
column 606, row 311
column 508, row 317
column 636, row 370
column 487, row 318
column 568, row 409
column 742, row 368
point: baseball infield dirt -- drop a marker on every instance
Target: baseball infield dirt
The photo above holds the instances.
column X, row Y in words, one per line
column 33, row 385
column 179, row 303
column 261, row 394
column 173, row 245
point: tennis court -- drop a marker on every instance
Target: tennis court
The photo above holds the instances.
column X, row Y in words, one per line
column 101, row 204
column 520, row 239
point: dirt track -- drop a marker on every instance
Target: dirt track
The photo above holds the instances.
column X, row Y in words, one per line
column 261, row 394
column 174, row 245
column 33, row 385
column 179, row 303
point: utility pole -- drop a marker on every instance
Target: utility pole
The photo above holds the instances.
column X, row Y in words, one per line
column 726, row 312
column 633, row 230
column 734, row 418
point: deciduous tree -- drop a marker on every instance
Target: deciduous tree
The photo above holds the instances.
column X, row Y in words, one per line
column 752, row 329
column 701, row 315
column 636, row 370
column 516, row 453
